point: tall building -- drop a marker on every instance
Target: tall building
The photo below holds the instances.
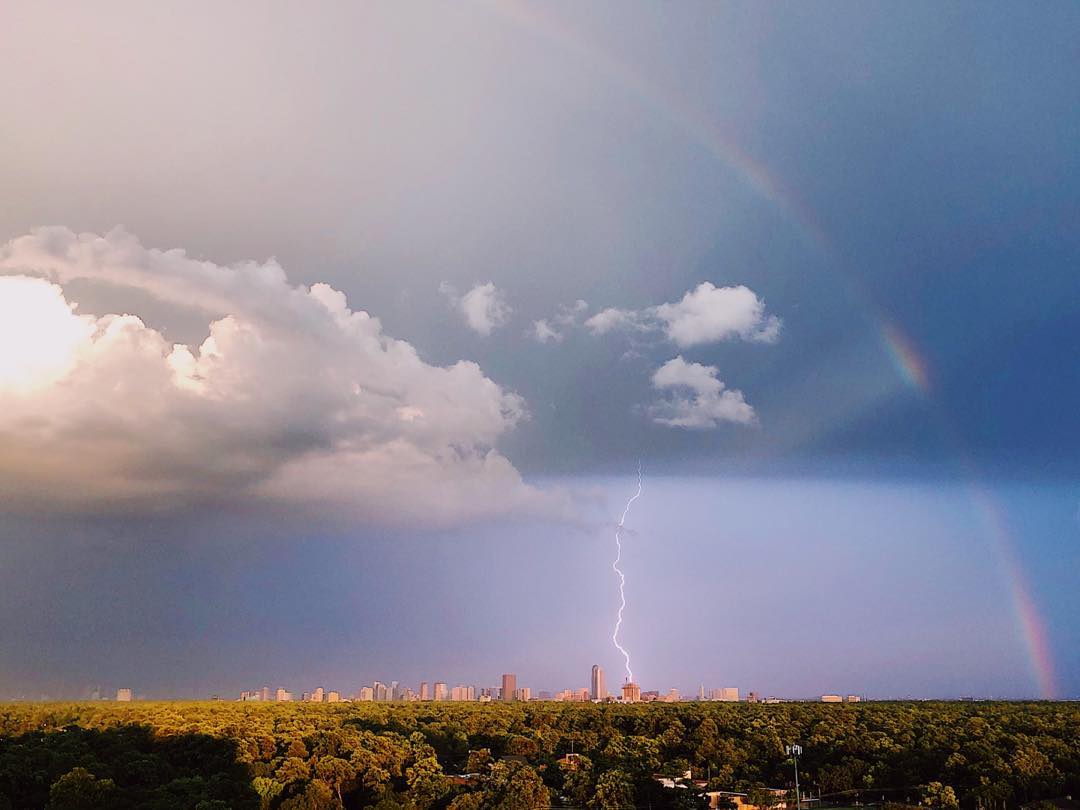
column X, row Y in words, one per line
column 524, row 693
column 631, row 692
column 333, row 697
column 440, row 691
column 729, row 694
column 367, row 694
column 425, row 691
column 509, row 684
column 123, row 695
column 283, row 695
column 317, row 695
column 265, row 694
column 599, row 688
column 382, row 693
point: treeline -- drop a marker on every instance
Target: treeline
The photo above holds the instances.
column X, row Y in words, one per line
column 292, row 756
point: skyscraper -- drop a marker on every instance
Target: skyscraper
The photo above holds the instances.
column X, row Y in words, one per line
column 631, row 692
column 440, row 691
column 123, row 695
column 599, row 688
column 317, row 695
column 509, row 684
column 425, row 691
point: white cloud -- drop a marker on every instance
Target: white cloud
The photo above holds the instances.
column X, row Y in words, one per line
column 706, row 314
column 698, row 399
column 543, row 332
column 610, row 319
column 484, row 307
column 566, row 316
column 709, row 314
column 293, row 398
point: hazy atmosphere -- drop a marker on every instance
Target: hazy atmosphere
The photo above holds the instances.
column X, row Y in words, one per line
column 332, row 338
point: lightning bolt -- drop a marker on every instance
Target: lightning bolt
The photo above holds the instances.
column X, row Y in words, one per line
column 622, row 576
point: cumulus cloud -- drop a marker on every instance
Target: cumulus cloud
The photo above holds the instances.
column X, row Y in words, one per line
column 484, row 307
column 706, row 314
column 553, row 330
column 698, row 399
column 543, row 332
column 292, row 398
column 610, row 319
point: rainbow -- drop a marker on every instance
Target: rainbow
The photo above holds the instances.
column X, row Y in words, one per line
column 914, row 370
column 677, row 111
column 902, row 352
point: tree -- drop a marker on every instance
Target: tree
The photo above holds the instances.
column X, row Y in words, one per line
column 938, row 795
column 78, row 789
column 614, row 790
column 425, row 781
column 515, row 786
column 336, row 772
column 317, row 795
column 268, row 790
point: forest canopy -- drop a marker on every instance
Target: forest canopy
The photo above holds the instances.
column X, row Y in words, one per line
column 462, row 756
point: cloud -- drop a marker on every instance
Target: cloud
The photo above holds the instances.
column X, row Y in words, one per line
column 709, row 314
column 610, row 319
column 292, row 399
column 699, row 400
column 543, row 332
column 484, row 307
column 567, row 315
column 706, row 314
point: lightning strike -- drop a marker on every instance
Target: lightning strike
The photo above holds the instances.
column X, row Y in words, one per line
column 622, row 577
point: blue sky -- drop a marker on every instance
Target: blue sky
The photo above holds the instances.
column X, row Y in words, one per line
column 881, row 179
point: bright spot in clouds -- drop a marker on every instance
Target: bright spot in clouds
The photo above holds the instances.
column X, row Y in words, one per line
column 39, row 333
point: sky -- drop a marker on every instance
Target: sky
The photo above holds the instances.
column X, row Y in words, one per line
column 331, row 339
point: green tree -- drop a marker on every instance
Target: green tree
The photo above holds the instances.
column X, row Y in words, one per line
column 937, row 795
column 78, row 789
column 515, row 786
column 614, row 790
column 425, row 781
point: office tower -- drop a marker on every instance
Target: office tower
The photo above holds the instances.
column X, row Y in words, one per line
column 425, row 692
column 395, row 691
column 509, row 684
column 367, row 694
column 701, row 692
column 599, row 688
column 123, row 695
column 317, row 695
column 631, row 692
column 523, row 693
column 333, row 697
column 440, row 692
column 729, row 694
column 381, row 692
column 265, row 696
column 282, row 695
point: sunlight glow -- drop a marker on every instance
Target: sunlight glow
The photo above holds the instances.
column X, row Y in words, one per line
column 39, row 334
